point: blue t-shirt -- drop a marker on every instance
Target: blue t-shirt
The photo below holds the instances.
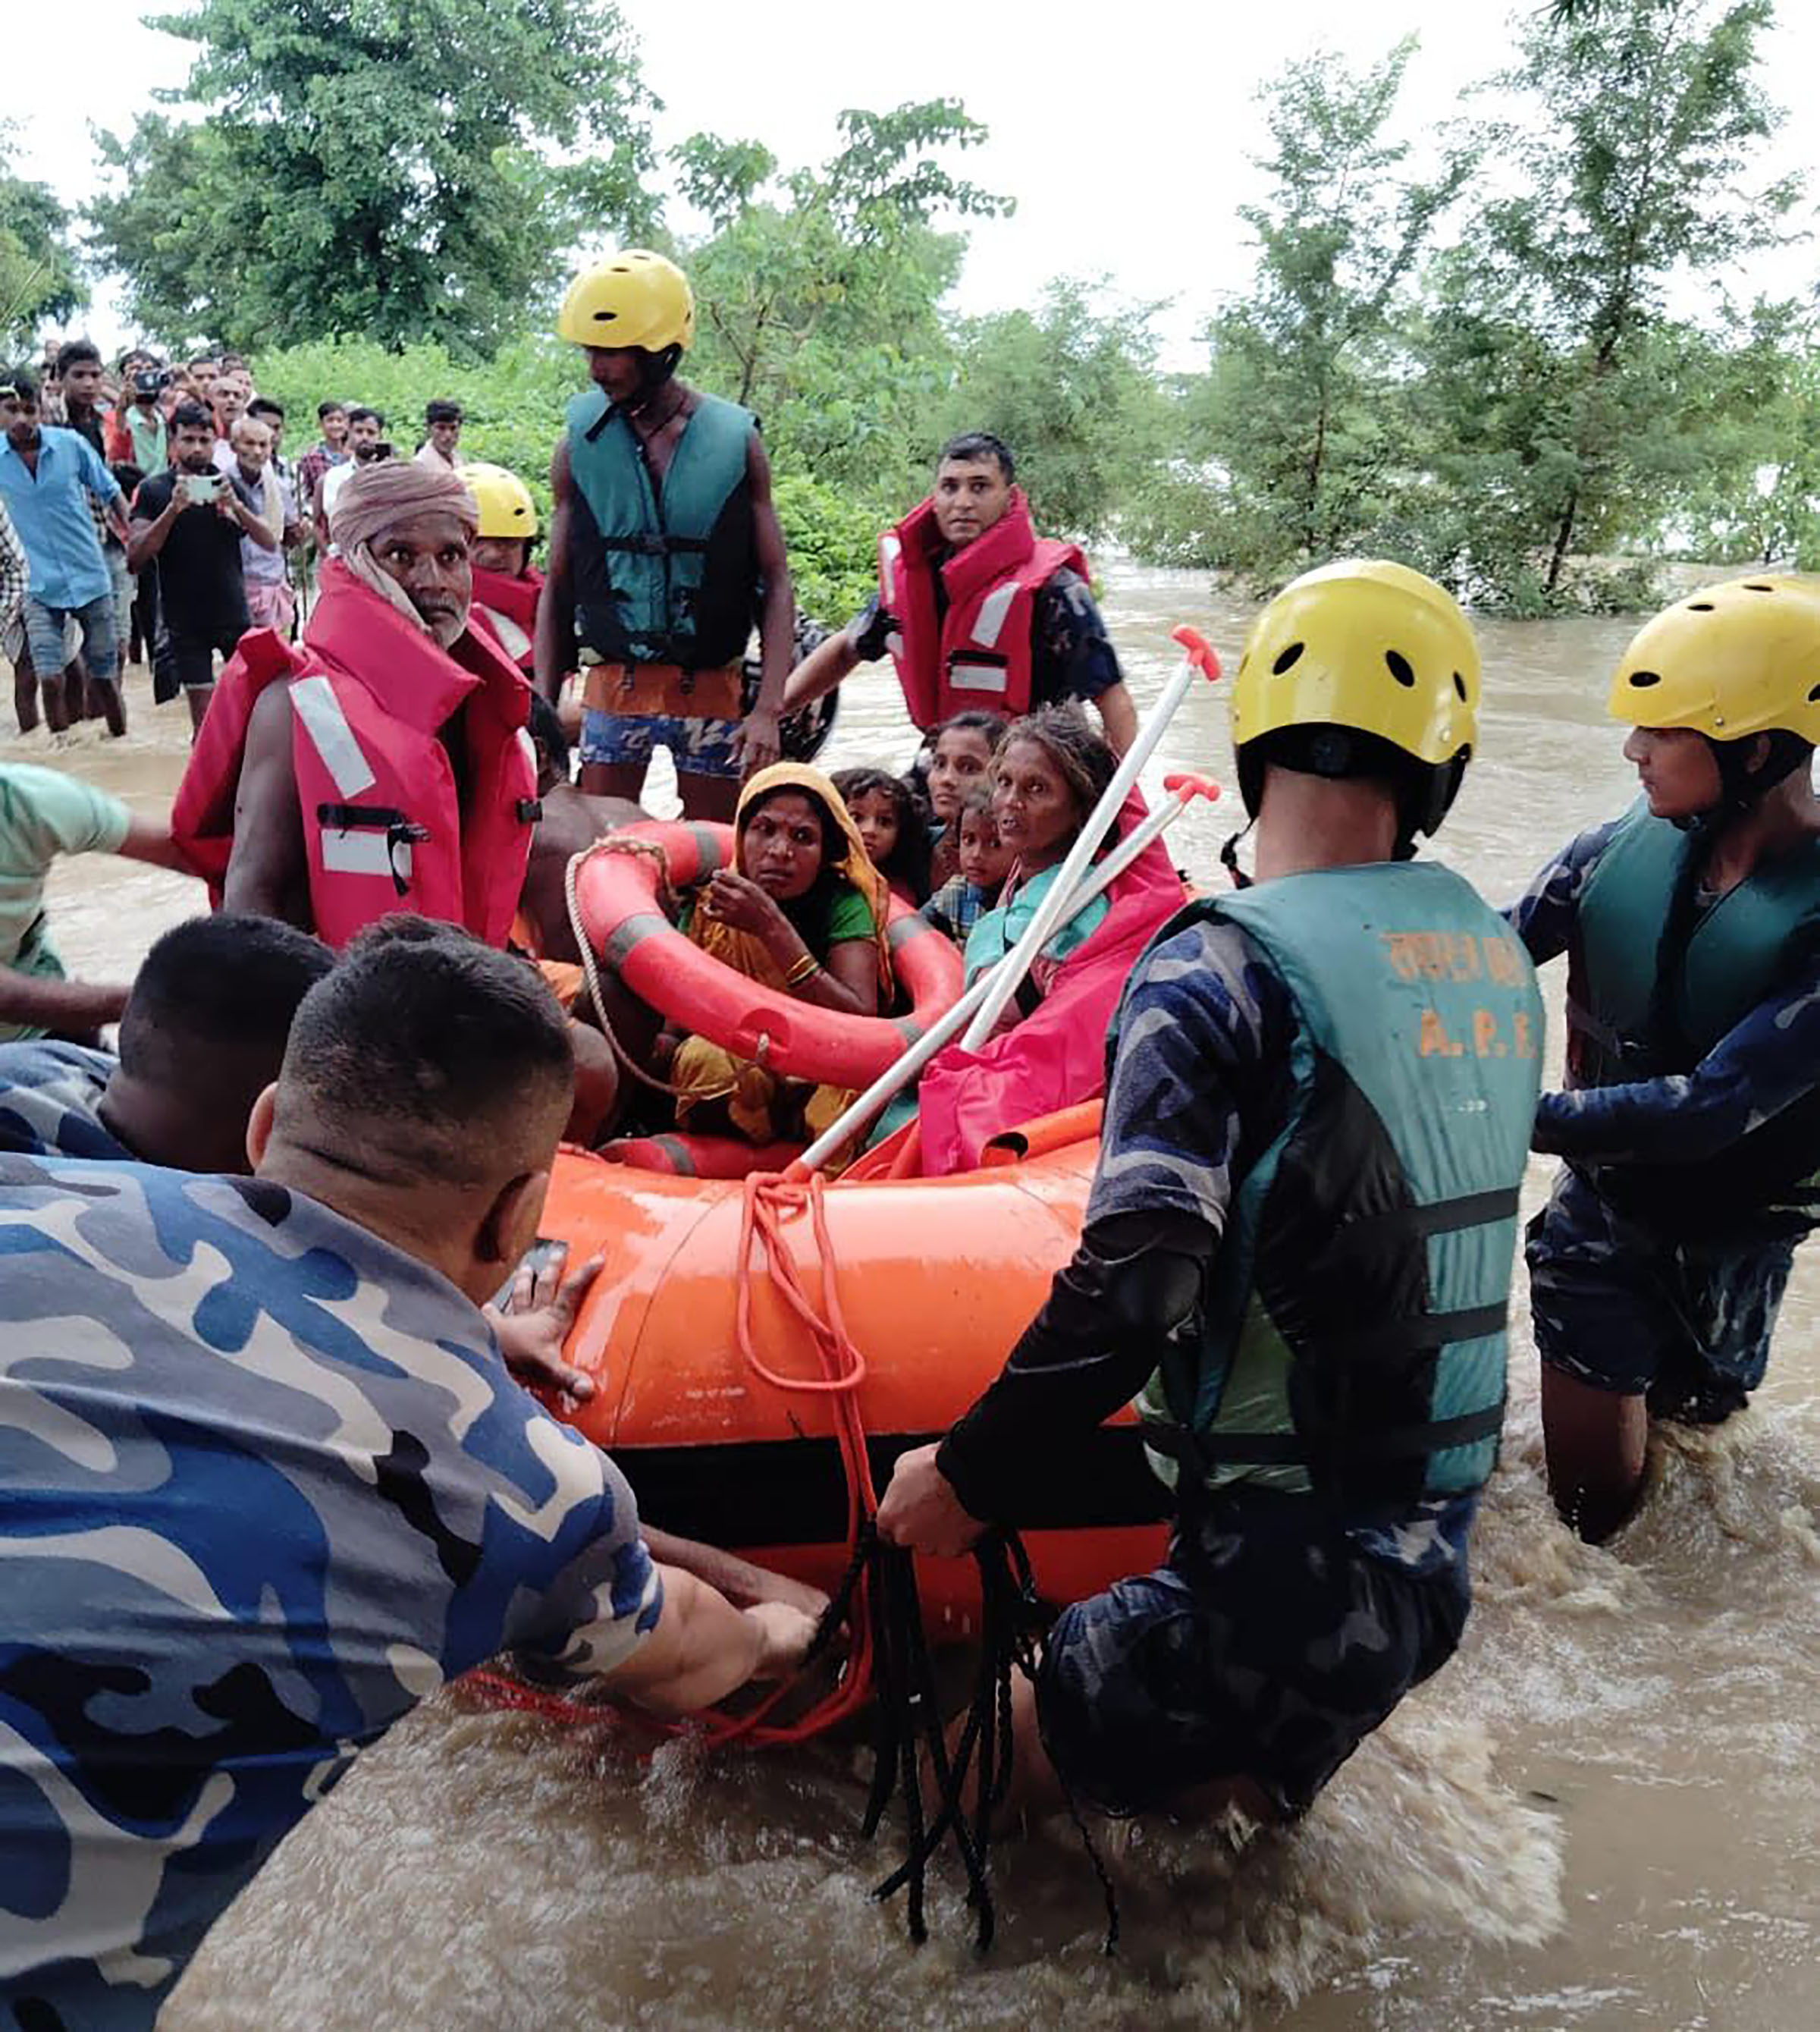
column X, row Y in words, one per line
column 51, row 511
column 49, row 1096
column 268, row 1484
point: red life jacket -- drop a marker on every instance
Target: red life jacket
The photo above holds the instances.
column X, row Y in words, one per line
column 382, row 827
column 979, row 654
column 508, row 606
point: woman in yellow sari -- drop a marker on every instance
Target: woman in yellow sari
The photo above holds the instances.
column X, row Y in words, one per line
column 805, row 913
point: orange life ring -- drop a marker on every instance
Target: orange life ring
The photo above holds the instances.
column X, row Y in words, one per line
column 616, row 896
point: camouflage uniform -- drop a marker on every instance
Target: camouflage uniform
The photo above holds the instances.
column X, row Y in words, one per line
column 268, row 1485
column 1279, row 1634
column 1618, row 1303
column 50, row 1093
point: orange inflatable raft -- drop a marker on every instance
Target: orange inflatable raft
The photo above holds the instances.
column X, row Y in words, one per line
column 616, row 898
column 935, row 1278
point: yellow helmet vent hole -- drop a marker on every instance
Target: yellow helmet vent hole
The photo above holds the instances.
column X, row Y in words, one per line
column 1642, row 680
column 1399, row 668
column 1460, row 686
column 1287, row 659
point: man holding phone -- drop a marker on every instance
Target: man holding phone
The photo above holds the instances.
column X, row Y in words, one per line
column 191, row 519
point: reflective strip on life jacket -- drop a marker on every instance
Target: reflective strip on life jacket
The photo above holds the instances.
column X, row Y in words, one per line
column 314, row 702
column 993, row 609
column 366, row 852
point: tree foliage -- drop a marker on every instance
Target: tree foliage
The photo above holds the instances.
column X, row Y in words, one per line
column 1072, row 389
column 1642, row 118
column 1304, row 407
column 818, row 292
column 374, row 167
column 38, row 271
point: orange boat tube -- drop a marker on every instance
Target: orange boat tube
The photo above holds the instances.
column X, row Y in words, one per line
column 936, row 1279
column 616, row 898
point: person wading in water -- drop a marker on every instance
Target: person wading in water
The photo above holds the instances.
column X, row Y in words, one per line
column 1298, row 1248
column 664, row 546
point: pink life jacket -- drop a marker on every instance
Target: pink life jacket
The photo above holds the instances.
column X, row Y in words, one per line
column 383, row 829
column 979, row 654
column 1055, row 1057
column 508, row 606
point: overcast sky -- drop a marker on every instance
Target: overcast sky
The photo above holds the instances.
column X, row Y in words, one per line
column 1127, row 151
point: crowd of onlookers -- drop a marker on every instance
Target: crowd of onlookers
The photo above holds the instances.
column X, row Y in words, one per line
column 103, row 564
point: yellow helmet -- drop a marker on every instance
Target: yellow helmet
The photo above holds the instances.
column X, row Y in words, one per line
column 504, row 500
column 1729, row 661
column 1370, row 646
column 632, row 298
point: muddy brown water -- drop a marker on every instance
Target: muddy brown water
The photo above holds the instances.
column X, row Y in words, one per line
column 1602, row 1813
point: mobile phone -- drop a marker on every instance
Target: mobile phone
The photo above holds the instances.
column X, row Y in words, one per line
column 201, row 486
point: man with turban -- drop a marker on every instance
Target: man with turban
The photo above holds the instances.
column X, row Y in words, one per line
column 381, row 766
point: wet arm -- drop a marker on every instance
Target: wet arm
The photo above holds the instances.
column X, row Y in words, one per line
column 777, row 619
column 848, row 979
column 146, row 536
column 1188, row 1048
column 553, row 648
column 1764, row 1064
column 268, row 872
column 46, row 1001
column 150, row 840
column 703, row 1648
column 1544, row 918
column 822, row 670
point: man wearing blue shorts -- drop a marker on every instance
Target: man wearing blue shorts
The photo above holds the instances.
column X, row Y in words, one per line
column 1298, row 1247
column 1690, row 1126
column 665, row 549
column 48, row 478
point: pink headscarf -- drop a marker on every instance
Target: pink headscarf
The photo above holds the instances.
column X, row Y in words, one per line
column 374, row 498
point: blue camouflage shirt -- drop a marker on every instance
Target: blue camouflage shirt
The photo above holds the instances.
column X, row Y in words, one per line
column 50, row 1093
column 268, row 1484
column 1763, row 1065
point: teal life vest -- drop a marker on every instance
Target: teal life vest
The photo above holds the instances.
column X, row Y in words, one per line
column 668, row 574
column 1351, row 1340
column 1653, row 985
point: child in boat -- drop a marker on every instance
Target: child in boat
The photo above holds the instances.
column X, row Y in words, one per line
column 985, row 861
column 959, row 754
column 804, row 913
column 891, row 828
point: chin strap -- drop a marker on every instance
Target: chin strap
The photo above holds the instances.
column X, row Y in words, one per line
column 1742, row 788
column 1229, row 855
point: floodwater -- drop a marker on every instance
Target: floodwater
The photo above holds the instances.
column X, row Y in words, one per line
column 1602, row 1813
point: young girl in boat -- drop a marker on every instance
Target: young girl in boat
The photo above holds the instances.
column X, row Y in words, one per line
column 805, row 912
column 891, row 828
column 985, row 861
column 960, row 755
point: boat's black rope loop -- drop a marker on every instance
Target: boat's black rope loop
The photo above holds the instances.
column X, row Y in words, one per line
column 910, row 1744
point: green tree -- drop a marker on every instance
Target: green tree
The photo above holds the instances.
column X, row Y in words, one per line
column 387, row 167
column 1303, row 409
column 38, row 271
column 818, row 292
column 1558, row 386
column 1072, row 390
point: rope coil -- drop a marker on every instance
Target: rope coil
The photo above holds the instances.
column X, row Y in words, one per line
column 889, row 1662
